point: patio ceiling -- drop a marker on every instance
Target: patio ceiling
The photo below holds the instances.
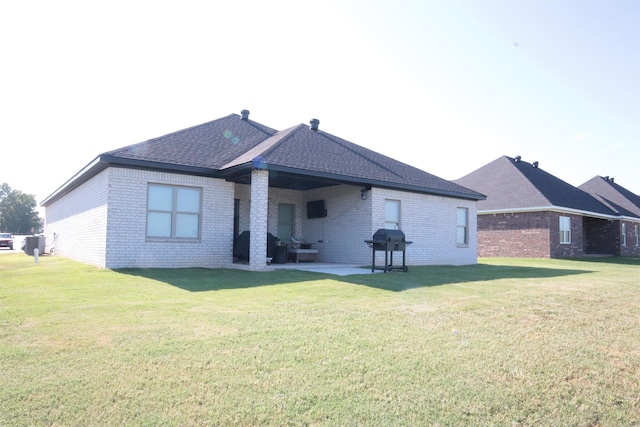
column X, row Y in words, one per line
column 289, row 181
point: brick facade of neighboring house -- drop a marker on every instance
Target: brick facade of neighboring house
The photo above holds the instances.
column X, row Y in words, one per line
column 626, row 205
column 528, row 235
column 242, row 171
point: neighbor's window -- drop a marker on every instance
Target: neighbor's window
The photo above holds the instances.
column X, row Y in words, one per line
column 637, row 234
column 173, row 212
column 462, row 226
column 624, row 234
column 392, row 214
column 565, row 229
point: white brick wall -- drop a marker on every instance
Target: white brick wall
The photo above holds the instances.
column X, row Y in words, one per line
column 128, row 244
column 103, row 223
column 79, row 222
column 341, row 234
column 428, row 221
column 115, row 236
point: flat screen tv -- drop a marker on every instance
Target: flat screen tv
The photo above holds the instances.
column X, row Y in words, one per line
column 316, row 209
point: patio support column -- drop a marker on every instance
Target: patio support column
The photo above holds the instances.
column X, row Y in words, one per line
column 258, row 219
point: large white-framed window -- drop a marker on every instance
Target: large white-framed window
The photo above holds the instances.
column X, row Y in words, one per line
column 462, row 226
column 636, row 232
column 624, row 234
column 565, row 229
column 392, row 214
column 173, row 212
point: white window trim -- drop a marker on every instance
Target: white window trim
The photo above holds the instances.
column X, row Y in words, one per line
column 395, row 225
column 465, row 226
column 565, row 233
column 637, row 234
column 624, row 234
column 174, row 213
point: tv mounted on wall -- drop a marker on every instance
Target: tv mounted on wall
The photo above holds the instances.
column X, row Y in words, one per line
column 316, row 209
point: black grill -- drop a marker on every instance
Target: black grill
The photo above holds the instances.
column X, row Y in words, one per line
column 389, row 241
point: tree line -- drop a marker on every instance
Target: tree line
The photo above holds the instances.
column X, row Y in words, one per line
column 18, row 214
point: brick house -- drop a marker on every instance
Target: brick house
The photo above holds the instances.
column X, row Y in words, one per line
column 531, row 213
column 182, row 199
column 626, row 241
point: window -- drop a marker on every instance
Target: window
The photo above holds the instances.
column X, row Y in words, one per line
column 462, row 226
column 624, row 234
column 637, row 234
column 392, row 214
column 173, row 212
column 565, row 229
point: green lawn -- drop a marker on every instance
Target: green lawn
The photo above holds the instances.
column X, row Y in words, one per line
column 504, row 342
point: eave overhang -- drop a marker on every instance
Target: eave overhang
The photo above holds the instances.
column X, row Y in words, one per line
column 234, row 174
column 104, row 161
column 335, row 179
column 559, row 209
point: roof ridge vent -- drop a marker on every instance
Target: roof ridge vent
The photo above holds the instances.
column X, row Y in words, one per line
column 314, row 124
column 517, row 159
column 245, row 114
column 535, row 165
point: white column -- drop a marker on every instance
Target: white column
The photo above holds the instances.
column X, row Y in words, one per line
column 258, row 219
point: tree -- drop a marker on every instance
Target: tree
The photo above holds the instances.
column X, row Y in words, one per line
column 18, row 213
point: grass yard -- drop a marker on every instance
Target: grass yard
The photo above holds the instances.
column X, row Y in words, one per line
column 504, row 342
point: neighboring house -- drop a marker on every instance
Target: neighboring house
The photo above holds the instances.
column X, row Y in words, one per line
column 626, row 204
column 531, row 213
column 180, row 200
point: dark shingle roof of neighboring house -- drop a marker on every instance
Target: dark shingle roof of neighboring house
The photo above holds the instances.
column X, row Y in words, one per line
column 513, row 184
column 616, row 197
column 297, row 157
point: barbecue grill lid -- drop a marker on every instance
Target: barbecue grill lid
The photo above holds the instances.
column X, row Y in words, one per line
column 384, row 234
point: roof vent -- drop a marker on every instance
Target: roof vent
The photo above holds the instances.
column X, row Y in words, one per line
column 535, row 165
column 518, row 158
column 611, row 179
column 314, row 124
column 245, row 115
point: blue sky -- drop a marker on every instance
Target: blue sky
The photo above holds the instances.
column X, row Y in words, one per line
column 446, row 86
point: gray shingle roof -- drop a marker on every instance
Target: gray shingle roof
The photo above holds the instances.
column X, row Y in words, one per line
column 209, row 145
column 510, row 183
column 230, row 143
column 616, row 197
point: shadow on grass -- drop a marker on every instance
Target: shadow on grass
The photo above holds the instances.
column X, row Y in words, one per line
column 201, row 279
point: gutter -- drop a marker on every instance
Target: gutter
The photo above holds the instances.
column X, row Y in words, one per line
column 558, row 209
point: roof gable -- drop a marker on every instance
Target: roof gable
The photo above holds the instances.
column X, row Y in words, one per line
column 209, row 145
column 319, row 153
column 616, row 197
column 511, row 183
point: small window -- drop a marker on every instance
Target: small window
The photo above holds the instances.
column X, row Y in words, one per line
column 173, row 212
column 637, row 234
column 624, row 234
column 462, row 226
column 565, row 229
column 392, row 214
